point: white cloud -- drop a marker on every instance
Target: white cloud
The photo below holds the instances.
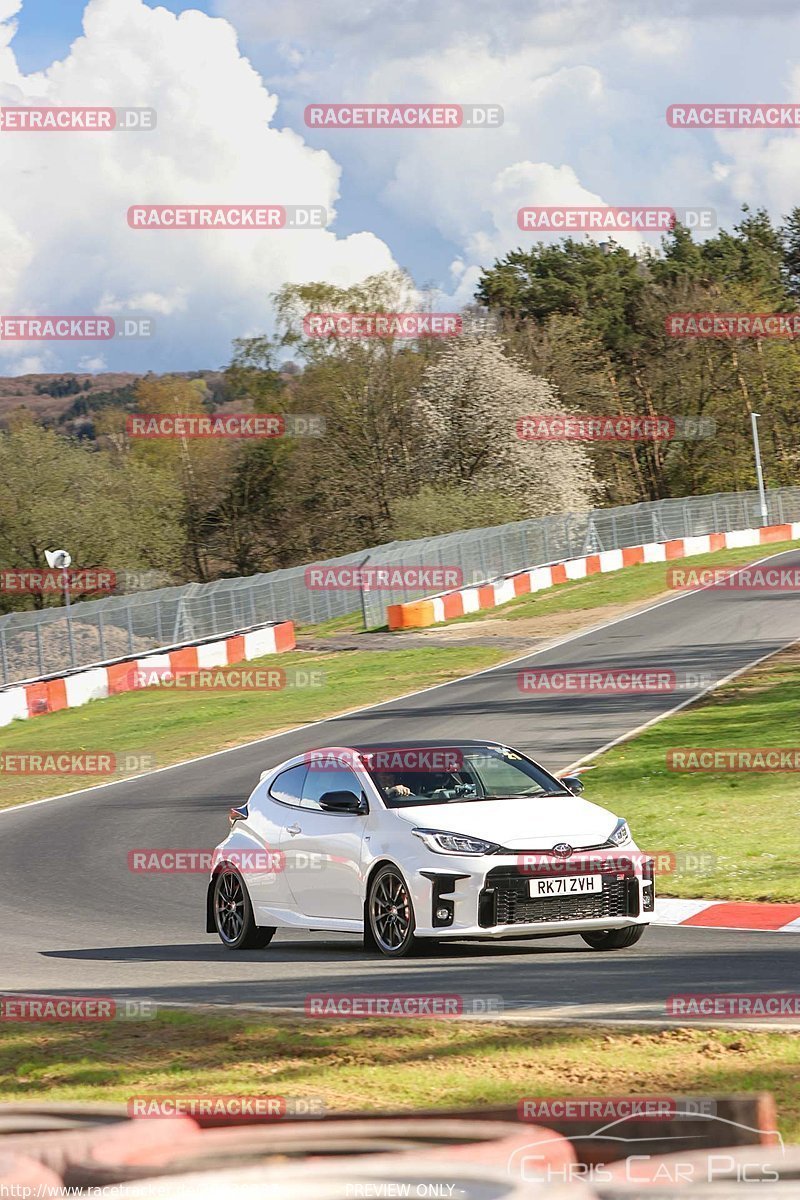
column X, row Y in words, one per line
column 145, row 302
column 8, row 27
column 64, row 239
column 579, row 119
column 365, row 29
column 454, row 179
column 761, row 168
column 657, row 39
column 30, row 364
column 524, row 183
column 584, row 83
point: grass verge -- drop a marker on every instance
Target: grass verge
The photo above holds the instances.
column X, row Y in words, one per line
column 168, row 725
column 734, row 834
column 380, row 1064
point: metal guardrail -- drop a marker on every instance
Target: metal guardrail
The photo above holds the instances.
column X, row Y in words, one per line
column 33, row 644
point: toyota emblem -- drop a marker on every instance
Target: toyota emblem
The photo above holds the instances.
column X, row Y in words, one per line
column 562, row 849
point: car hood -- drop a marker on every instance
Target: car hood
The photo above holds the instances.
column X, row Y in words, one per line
column 525, row 824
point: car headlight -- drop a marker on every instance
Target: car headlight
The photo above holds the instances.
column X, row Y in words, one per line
column 453, row 843
column 621, row 835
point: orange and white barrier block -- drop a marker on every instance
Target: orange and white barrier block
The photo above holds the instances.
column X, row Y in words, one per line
column 71, row 691
column 416, row 614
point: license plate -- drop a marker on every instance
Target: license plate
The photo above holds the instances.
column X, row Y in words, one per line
column 566, row 885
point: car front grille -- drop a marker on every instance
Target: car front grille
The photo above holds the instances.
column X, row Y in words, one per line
column 506, row 900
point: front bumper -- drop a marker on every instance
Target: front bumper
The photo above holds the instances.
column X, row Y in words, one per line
column 495, row 901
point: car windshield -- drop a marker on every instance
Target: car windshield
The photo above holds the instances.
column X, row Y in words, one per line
column 442, row 775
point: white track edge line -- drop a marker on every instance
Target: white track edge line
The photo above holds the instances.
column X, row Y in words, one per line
column 624, row 737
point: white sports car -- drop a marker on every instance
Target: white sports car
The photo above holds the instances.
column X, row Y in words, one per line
column 426, row 840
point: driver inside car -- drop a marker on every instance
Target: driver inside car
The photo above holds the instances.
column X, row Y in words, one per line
column 386, row 782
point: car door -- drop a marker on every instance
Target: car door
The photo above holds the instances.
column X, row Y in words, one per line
column 271, row 809
column 323, row 850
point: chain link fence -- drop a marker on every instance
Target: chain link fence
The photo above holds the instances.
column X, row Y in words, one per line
column 34, row 644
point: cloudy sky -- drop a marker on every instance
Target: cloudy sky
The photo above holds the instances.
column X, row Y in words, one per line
column 584, row 85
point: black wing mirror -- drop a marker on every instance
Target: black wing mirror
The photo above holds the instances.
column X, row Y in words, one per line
column 342, row 802
column 574, row 784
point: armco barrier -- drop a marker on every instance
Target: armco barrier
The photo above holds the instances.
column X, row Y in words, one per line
column 110, row 679
column 416, row 614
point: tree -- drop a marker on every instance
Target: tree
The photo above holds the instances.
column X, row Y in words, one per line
column 470, row 401
column 789, row 234
column 595, row 324
column 566, row 352
column 110, row 514
column 202, row 468
column 571, row 278
column 440, row 509
column 248, row 529
column 252, row 375
column 348, row 481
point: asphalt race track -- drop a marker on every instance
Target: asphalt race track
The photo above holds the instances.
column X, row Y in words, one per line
column 75, row 920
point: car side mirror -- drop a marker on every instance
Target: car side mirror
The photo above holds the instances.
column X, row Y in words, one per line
column 574, row 784
column 341, row 802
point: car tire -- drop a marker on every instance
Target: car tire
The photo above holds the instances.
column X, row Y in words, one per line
column 370, row 945
column 614, row 939
column 233, row 914
column 390, row 915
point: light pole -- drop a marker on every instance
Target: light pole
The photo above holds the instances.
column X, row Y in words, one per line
column 363, row 563
column 60, row 560
column 762, row 496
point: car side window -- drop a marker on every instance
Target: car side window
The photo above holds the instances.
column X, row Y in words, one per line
column 318, row 782
column 288, row 786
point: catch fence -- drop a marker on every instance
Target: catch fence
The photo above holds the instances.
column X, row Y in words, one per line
column 34, row 644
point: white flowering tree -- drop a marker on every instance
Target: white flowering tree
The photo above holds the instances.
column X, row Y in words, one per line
column 469, row 403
